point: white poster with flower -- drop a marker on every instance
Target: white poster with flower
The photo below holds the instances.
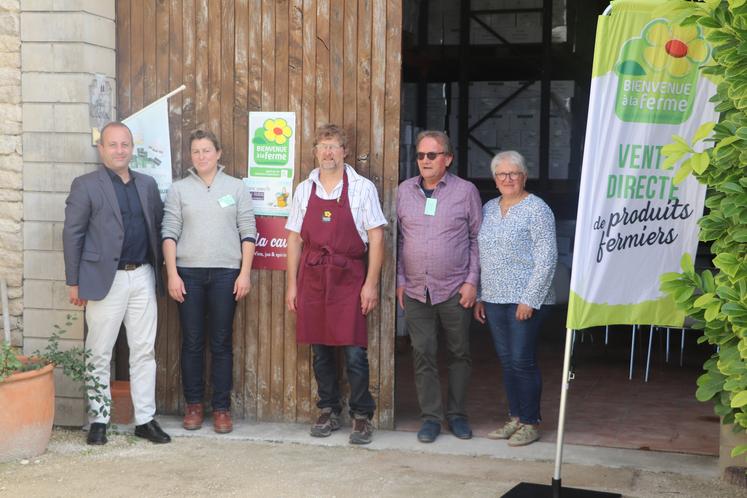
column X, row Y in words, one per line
column 634, row 220
column 271, row 161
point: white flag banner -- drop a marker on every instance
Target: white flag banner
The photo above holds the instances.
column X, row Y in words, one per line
column 633, row 222
column 152, row 143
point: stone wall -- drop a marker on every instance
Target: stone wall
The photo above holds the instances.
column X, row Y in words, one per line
column 64, row 44
column 11, row 163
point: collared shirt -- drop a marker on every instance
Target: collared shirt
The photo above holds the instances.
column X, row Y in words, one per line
column 362, row 195
column 135, row 243
column 518, row 253
column 438, row 254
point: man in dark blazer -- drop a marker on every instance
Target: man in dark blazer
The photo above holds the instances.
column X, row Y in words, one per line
column 112, row 267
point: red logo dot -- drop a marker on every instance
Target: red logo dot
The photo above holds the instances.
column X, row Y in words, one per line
column 676, row 48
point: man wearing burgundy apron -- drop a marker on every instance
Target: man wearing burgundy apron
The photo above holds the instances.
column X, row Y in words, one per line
column 335, row 252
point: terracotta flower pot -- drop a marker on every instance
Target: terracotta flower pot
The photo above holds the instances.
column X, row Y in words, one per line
column 728, row 440
column 27, row 401
column 122, row 410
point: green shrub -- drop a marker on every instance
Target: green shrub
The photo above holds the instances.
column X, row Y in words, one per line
column 717, row 300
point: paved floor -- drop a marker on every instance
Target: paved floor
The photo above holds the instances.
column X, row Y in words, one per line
column 446, row 444
column 268, row 460
column 605, row 408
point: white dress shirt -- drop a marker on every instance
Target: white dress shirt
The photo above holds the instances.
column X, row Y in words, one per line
column 362, row 196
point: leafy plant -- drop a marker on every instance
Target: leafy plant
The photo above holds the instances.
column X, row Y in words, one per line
column 73, row 362
column 9, row 362
column 717, row 300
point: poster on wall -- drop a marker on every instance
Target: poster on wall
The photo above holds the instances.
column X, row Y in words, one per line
column 152, row 144
column 633, row 222
column 270, row 180
column 271, row 161
column 270, row 252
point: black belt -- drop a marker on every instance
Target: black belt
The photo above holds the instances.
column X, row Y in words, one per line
column 129, row 266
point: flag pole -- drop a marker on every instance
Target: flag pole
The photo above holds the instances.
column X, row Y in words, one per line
column 565, row 384
column 170, row 94
column 555, row 490
column 95, row 132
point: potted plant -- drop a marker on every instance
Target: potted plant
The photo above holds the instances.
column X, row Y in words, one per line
column 717, row 300
column 27, row 393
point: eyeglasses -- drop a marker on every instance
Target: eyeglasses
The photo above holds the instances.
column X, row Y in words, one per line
column 430, row 155
column 328, row 147
column 514, row 175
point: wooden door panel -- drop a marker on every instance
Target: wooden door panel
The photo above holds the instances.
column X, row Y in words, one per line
column 336, row 60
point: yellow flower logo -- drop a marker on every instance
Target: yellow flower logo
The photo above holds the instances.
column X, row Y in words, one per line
column 673, row 48
column 277, row 130
column 328, row 214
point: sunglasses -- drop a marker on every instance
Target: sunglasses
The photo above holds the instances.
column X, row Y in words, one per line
column 430, row 155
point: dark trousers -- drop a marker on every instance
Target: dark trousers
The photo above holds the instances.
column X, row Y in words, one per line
column 423, row 321
column 516, row 345
column 325, row 371
column 208, row 309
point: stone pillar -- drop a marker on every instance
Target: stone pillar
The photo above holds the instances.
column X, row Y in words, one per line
column 63, row 46
column 11, row 163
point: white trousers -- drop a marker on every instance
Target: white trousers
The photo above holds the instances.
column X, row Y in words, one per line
column 132, row 299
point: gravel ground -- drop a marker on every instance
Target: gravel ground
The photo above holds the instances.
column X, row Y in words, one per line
column 130, row 467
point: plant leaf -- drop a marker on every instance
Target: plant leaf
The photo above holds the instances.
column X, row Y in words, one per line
column 686, row 263
column 677, row 148
column 703, row 131
column 705, row 299
column 686, row 146
column 708, row 22
column 700, row 162
column 739, row 400
column 684, row 171
column 712, row 312
column 669, row 277
column 727, row 263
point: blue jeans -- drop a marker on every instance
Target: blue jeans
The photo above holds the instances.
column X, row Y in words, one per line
column 516, row 345
column 208, row 309
column 325, row 371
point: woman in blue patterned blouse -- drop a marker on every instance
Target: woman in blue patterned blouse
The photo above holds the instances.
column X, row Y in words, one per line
column 518, row 252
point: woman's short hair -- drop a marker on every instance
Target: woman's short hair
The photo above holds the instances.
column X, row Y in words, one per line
column 199, row 134
column 439, row 136
column 331, row 131
column 512, row 157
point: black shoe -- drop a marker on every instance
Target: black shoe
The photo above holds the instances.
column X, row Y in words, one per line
column 429, row 431
column 460, row 428
column 96, row 434
column 152, row 432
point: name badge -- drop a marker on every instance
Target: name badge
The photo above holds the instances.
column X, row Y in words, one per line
column 226, row 200
column 326, row 216
column 430, row 206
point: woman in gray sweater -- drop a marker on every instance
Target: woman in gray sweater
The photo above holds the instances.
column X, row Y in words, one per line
column 208, row 233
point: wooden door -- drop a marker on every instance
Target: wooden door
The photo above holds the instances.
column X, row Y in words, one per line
column 326, row 60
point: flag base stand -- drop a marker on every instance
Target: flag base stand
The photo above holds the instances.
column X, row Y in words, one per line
column 531, row 490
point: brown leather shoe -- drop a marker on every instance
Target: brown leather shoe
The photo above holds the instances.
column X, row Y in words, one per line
column 222, row 421
column 193, row 416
